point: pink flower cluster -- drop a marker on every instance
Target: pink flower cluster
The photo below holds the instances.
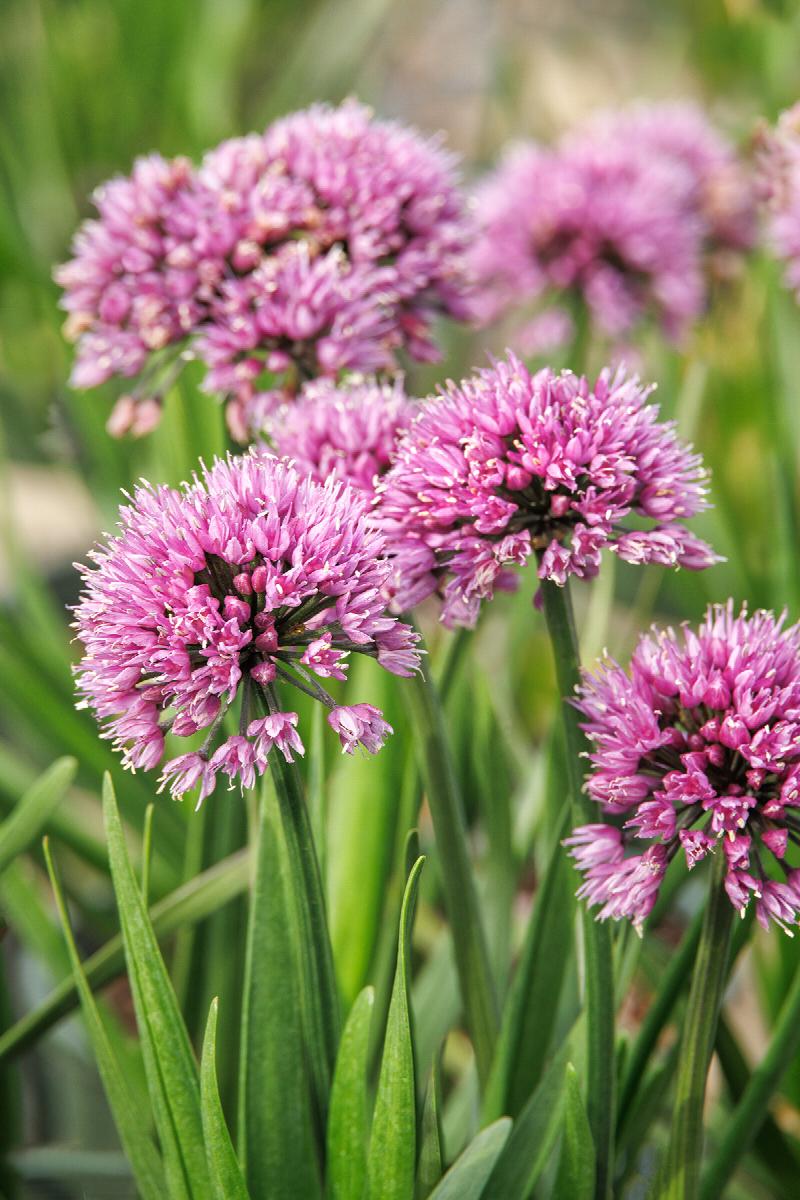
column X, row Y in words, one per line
column 509, row 463
column 629, row 214
column 247, row 579
column 779, row 187
column 328, row 242
column 349, row 431
column 697, row 747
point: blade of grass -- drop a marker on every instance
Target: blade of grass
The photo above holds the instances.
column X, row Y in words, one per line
column 223, row 1166
column 392, row 1153
column 137, row 1143
column 431, row 1153
column 34, row 810
column 468, row 1175
column 576, row 1168
column 170, row 1065
column 348, row 1122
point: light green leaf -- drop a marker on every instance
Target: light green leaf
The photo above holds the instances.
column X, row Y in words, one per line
column 190, row 903
column 348, row 1120
column 576, row 1168
column 32, row 812
column 392, row 1152
column 276, row 1146
column 467, row 1177
column 532, row 1139
column 226, row 1174
column 137, row 1143
column 171, row 1069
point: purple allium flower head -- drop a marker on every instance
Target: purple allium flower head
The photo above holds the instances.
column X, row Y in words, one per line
column 248, row 578
column 778, row 151
column 349, row 431
column 324, row 244
column 698, row 748
column 625, row 213
column 510, row 462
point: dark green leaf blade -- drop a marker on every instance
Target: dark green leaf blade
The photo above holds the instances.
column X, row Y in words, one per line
column 136, row 1141
column 348, row 1120
column 392, row 1152
column 226, row 1174
column 467, row 1177
column 171, row 1068
column 431, row 1156
column 576, row 1168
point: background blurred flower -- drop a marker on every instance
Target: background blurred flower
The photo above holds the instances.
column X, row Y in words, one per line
column 326, row 243
column 507, row 463
column 698, row 747
column 249, row 576
column 778, row 153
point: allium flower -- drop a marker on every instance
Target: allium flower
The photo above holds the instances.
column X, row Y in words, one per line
column 626, row 214
column 508, row 463
column 779, row 185
column 697, row 747
column 324, row 244
column 349, row 432
column 248, row 578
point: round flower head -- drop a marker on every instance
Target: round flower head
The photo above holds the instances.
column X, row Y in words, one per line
column 249, row 579
column 349, row 432
column 779, row 185
column 697, row 748
column 323, row 244
column 508, row 463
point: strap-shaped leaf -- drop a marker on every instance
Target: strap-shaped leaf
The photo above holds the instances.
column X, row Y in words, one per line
column 223, row 1166
column 348, row 1119
column 31, row 815
column 532, row 1138
column 467, row 1177
column 393, row 1151
column 277, row 1146
column 170, row 1065
column 136, row 1141
column 576, row 1167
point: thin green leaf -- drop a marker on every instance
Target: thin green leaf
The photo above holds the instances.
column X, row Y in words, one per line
column 223, row 1166
column 171, row 1069
column 348, row 1120
column 532, row 1139
column 467, row 1178
column 277, row 1145
column 576, row 1168
column 431, row 1155
column 190, row 903
column 136, row 1141
column 34, row 810
column 392, row 1152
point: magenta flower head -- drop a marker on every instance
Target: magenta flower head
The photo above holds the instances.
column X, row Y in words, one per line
column 247, row 580
column 696, row 748
column 348, row 431
column 324, row 244
column 509, row 463
column 779, row 188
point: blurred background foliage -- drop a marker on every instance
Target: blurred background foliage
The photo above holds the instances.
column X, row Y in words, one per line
column 85, row 86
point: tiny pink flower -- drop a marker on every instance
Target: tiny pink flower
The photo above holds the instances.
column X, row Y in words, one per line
column 359, row 725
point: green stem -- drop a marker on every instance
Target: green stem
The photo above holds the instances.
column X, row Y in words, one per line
column 681, row 1171
column 469, row 937
column 320, row 995
column 748, row 1117
column 597, row 946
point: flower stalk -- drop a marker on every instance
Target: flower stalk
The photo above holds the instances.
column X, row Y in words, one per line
column 598, row 965
column 469, row 937
column 681, row 1170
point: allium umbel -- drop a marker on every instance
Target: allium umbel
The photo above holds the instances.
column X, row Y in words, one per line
column 779, row 185
column 246, row 580
column 348, row 431
column 510, row 463
column 696, row 748
column 326, row 243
